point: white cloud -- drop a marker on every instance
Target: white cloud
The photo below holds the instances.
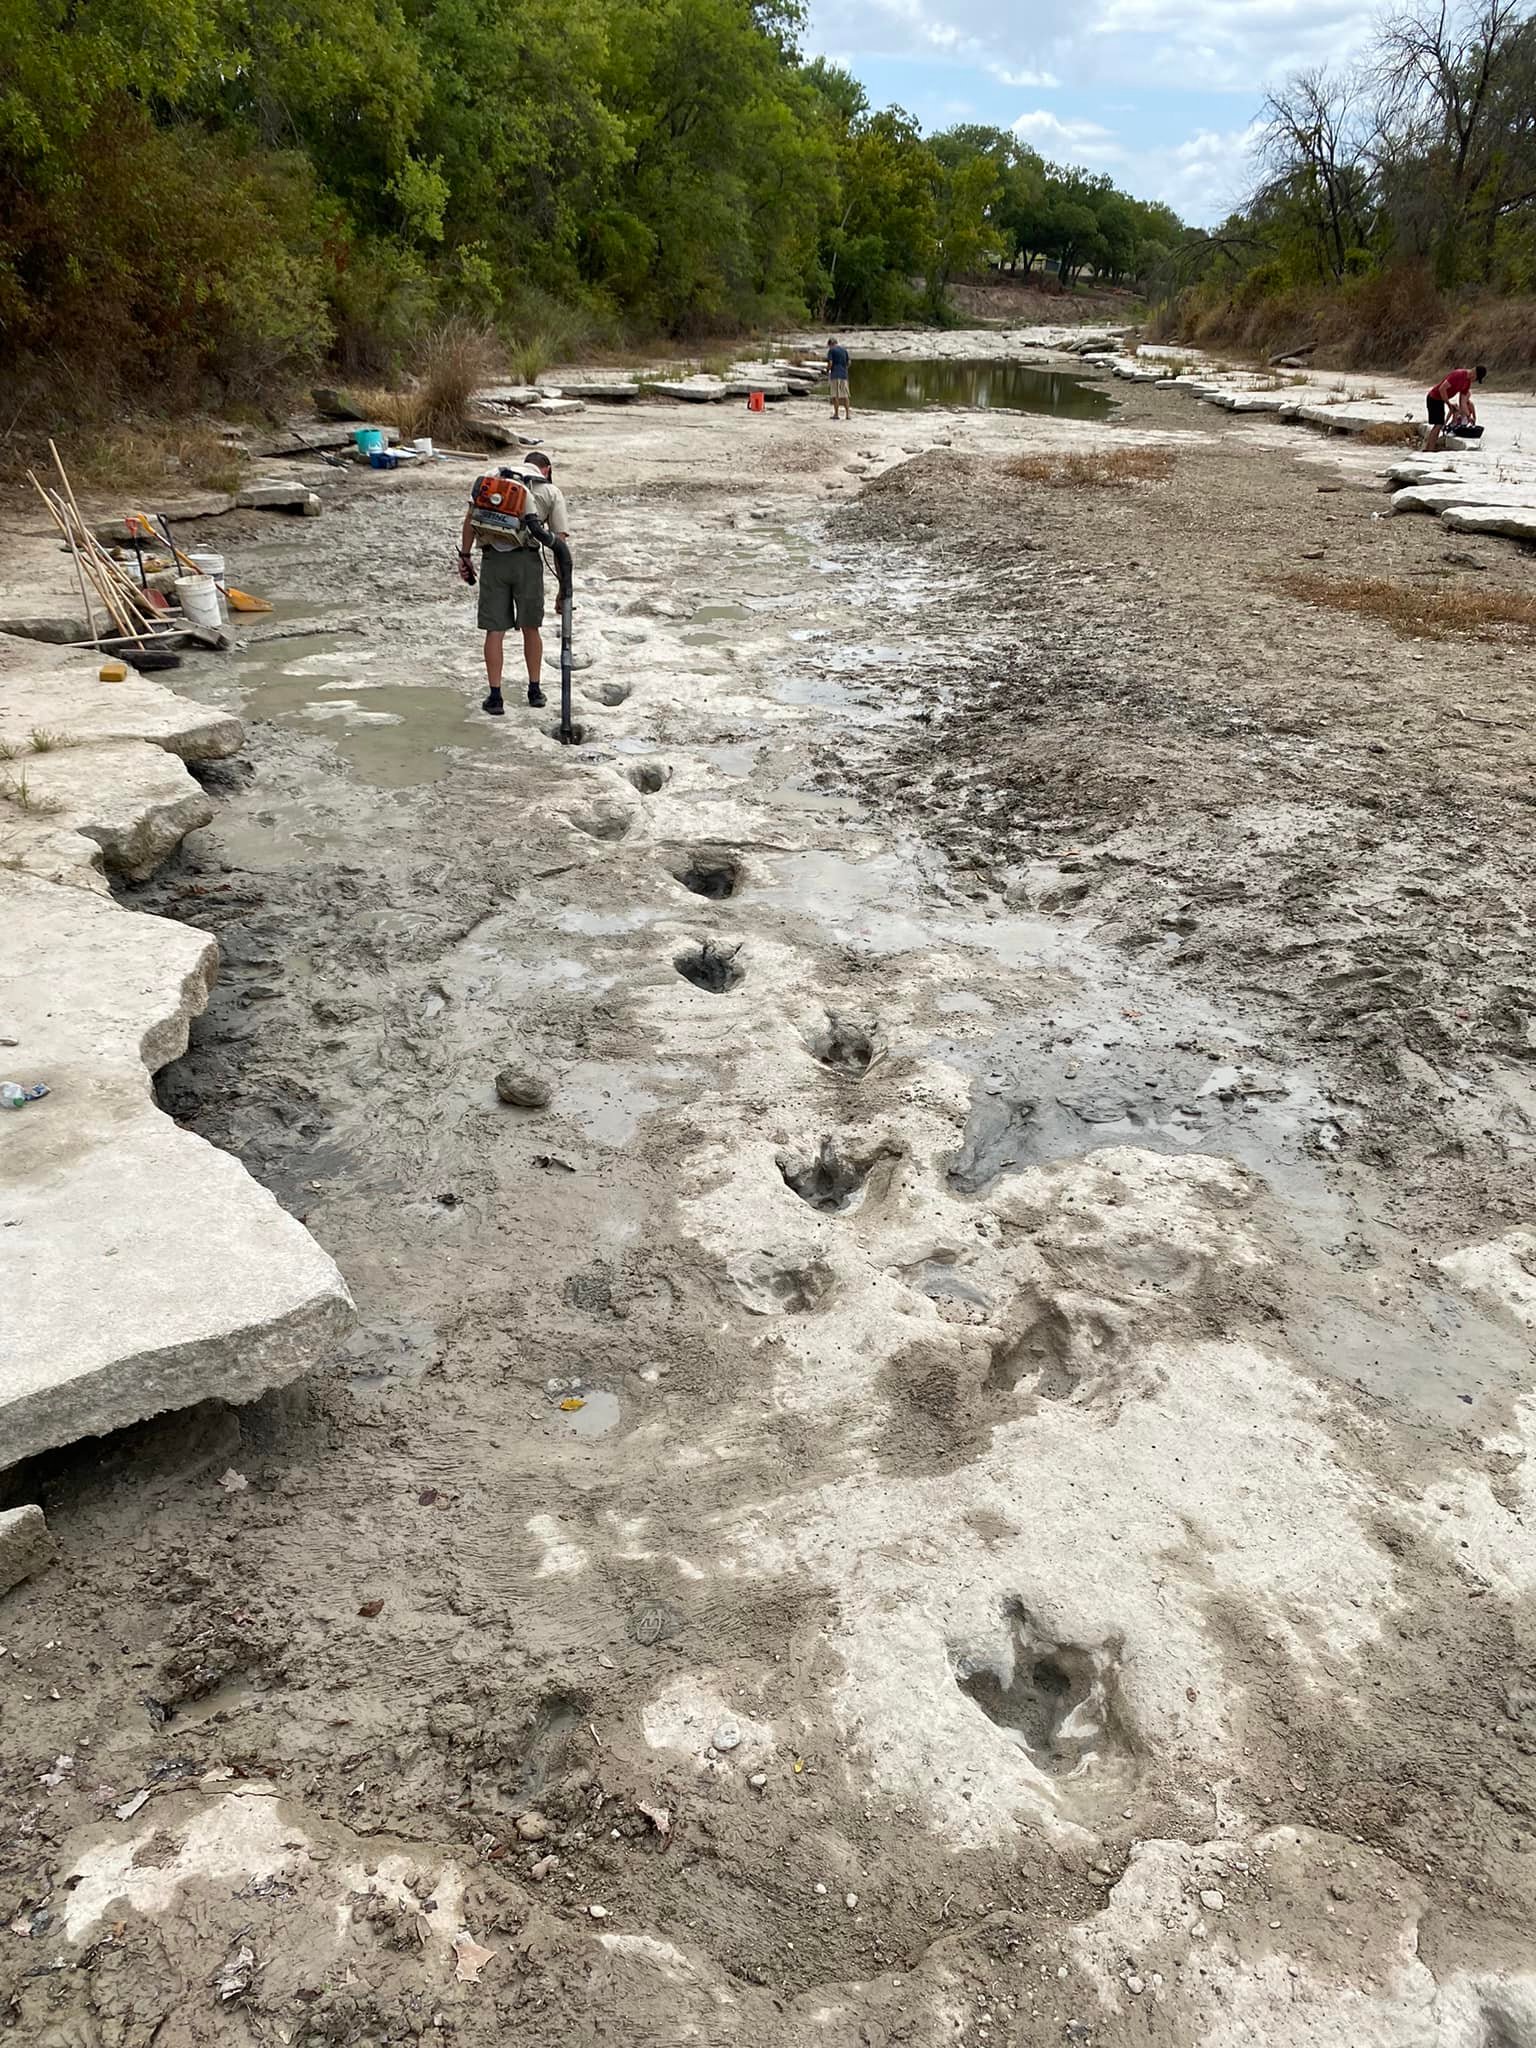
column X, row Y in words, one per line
column 1193, row 45
column 1078, row 142
column 1201, row 179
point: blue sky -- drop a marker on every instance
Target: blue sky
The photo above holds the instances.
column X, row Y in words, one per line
column 1162, row 94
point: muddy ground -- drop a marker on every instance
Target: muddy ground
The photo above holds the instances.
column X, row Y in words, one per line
column 1039, row 1043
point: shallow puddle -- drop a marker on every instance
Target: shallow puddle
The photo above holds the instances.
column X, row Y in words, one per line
column 598, row 1413
column 990, row 386
column 393, row 735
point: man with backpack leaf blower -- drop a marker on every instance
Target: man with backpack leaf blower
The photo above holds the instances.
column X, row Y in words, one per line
column 512, row 516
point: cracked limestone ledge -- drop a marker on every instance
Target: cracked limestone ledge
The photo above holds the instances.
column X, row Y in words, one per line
column 93, row 775
column 147, row 1269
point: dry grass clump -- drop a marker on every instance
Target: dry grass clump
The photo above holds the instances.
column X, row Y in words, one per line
column 1419, row 614
column 142, row 458
column 452, row 361
column 1391, row 434
column 1104, row 469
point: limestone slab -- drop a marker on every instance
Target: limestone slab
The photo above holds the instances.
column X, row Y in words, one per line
column 1515, row 522
column 59, row 691
column 617, row 392
column 136, row 802
column 146, row 1269
column 693, row 391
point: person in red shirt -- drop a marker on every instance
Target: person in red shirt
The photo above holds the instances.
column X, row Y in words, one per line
column 1453, row 390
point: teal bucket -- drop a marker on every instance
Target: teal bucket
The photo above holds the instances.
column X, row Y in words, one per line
column 369, row 438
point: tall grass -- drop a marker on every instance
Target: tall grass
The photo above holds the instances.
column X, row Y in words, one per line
column 451, row 362
column 1395, row 319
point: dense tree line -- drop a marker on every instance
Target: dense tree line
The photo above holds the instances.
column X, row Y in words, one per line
column 1414, row 169
column 196, row 191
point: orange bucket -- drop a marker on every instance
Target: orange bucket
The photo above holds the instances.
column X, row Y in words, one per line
column 754, row 401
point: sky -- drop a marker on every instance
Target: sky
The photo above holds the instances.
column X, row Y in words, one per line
column 1164, row 95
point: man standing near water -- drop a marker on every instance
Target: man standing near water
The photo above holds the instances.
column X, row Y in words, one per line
column 512, row 580
column 1455, row 390
column 837, row 371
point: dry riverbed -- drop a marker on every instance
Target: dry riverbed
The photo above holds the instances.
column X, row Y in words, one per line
column 964, row 1480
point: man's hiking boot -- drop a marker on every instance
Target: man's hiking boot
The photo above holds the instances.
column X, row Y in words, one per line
column 494, row 705
column 536, row 697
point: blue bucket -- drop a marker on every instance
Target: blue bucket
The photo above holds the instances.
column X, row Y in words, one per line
column 383, row 458
column 369, row 438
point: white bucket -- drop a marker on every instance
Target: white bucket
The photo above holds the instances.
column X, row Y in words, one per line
column 199, row 599
column 210, row 565
column 423, row 444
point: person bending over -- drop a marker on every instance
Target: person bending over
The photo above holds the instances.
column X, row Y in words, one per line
column 1454, row 391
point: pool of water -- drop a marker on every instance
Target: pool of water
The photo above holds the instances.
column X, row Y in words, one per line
column 1006, row 387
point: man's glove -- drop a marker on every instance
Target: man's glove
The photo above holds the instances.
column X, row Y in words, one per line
column 466, row 567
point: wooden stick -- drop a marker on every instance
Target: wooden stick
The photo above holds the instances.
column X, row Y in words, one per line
column 91, row 567
column 74, row 556
column 111, row 598
column 131, row 602
column 123, row 614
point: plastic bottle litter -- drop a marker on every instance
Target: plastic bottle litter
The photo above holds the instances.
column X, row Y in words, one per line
column 14, row 1096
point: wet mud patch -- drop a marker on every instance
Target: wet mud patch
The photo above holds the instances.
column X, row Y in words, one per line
column 1059, row 1701
column 845, row 1046
column 712, row 967
column 649, row 777
column 834, row 1177
column 546, row 1749
column 716, row 876
column 999, row 1138
column 581, row 733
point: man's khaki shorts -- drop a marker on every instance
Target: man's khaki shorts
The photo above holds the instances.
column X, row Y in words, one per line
column 511, row 589
column 839, row 390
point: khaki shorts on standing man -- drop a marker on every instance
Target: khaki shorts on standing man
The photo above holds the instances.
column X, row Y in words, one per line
column 837, row 375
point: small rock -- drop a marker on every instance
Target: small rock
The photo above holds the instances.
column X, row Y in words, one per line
column 850, row 1900
column 1135, row 1986
column 540, row 1870
column 821, row 1891
column 758, row 1780
column 598, row 1912
column 533, row 1827
column 1212, row 1901
column 523, row 1087
column 25, row 1545
column 726, row 1736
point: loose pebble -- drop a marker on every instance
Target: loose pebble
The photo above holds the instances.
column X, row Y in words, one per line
column 1212, row 1901
column 598, row 1912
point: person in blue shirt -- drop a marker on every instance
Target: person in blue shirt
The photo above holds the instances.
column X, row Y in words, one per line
column 837, row 371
